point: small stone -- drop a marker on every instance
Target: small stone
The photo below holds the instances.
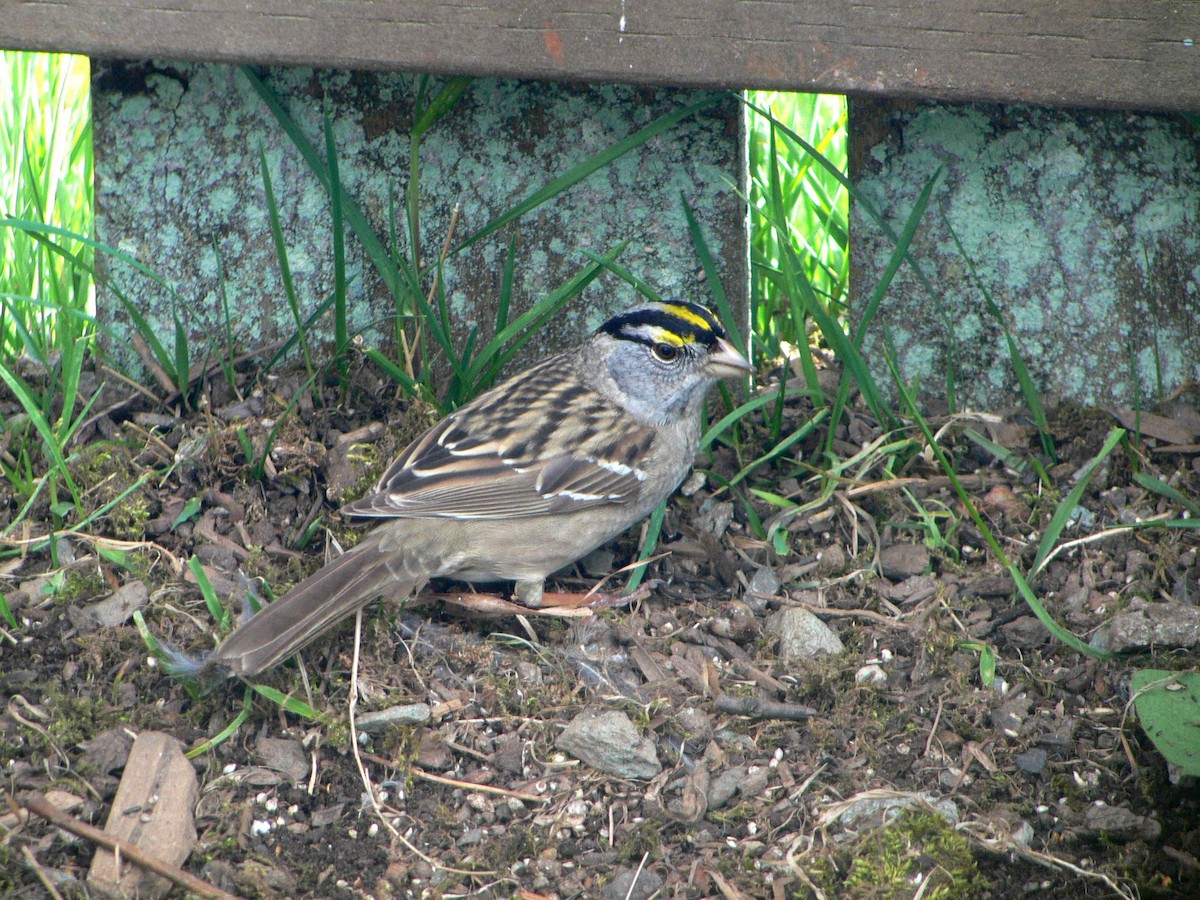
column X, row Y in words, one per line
column 739, row 623
column 609, row 742
column 107, row 751
column 697, row 729
column 764, row 583
column 722, row 788
column 632, row 884
column 471, row 837
column 831, row 561
column 1032, row 761
column 872, row 811
column 871, row 674
column 755, row 783
column 1025, row 631
column 1116, row 823
column 802, row 635
column 114, row 610
column 509, row 755
column 286, row 756
column 1142, row 625
column 900, row 561
column 1022, row 834
column 1012, row 715
column 404, row 714
column 715, row 516
column 918, row 586
column 153, row 809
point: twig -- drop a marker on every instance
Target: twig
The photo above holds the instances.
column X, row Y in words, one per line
column 32, row 862
column 471, row 786
column 986, row 836
column 39, row 805
column 1092, row 538
column 636, row 875
column 158, row 372
column 832, row 613
column 758, row 676
column 418, row 772
column 758, row 708
column 358, row 755
column 100, row 543
column 362, row 770
column 728, row 890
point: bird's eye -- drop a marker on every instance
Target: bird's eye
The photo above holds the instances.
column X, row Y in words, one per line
column 665, row 352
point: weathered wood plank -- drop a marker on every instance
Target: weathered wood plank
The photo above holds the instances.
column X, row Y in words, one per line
column 1071, row 52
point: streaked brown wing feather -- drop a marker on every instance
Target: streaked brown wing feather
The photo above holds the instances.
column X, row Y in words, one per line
column 479, row 464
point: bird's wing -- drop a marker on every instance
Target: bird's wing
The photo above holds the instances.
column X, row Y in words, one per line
column 478, row 464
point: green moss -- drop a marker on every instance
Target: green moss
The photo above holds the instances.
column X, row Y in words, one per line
column 105, row 471
column 73, row 719
column 75, row 585
column 638, row 840
column 919, row 850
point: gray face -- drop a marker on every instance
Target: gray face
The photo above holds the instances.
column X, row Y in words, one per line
column 659, row 387
column 659, row 356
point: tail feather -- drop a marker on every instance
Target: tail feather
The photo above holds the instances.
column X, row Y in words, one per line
column 315, row 605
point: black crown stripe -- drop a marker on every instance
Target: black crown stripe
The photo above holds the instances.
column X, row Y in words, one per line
column 622, row 326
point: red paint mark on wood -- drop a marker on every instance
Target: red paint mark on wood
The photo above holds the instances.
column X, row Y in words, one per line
column 553, row 42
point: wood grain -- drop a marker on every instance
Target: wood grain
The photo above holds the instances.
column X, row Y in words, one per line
column 1102, row 53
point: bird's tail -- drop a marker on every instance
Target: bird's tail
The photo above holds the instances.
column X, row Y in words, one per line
column 374, row 568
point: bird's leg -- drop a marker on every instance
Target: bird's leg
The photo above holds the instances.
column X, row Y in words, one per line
column 530, row 593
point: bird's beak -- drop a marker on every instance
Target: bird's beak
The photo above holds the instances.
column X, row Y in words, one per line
column 726, row 362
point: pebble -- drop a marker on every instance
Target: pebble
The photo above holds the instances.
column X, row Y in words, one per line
column 632, row 884
column 1032, row 761
column 872, row 674
column 609, row 742
column 1142, row 625
column 405, row 714
column 900, row 561
column 802, row 635
column 831, row 560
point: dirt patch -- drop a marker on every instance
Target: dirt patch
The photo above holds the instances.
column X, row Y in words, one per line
column 775, row 771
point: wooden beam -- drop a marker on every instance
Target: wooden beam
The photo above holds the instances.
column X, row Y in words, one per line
column 1106, row 53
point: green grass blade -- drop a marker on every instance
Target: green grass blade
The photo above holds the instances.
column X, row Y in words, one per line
column 712, row 277
column 218, row 612
column 649, row 544
column 49, row 439
column 376, row 252
column 287, row 702
column 340, row 327
column 497, row 352
column 1066, row 507
column 1022, row 585
column 726, row 422
column 1160, row 487
column 281, row 255
column 225, row 733
column 440, row 106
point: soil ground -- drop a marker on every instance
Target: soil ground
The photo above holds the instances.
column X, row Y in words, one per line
column 1035, row 782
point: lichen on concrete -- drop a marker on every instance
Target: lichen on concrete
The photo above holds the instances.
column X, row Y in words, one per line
column 1084, row 226
column 178, row 173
